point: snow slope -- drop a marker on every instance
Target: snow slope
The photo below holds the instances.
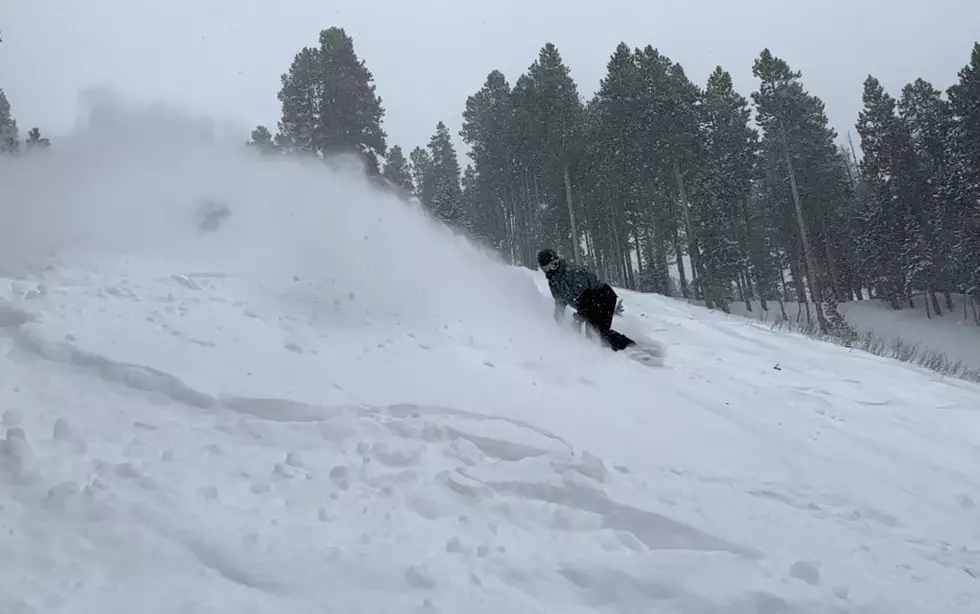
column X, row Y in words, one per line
column 334, row 405
column 954, row 333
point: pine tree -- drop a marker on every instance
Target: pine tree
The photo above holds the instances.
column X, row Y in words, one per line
column 668, row 153
column 549, row 116
column 616, row 175
column 964, row 97
column 492, row 188
column 725, row 183
column 421, row 163
column 329, row 104
column 961, row 190
column 928, row 120
column 397, row 169
column 479, row 219
column 36, row 141
column 892, row 238
column 682, row 151
column 799, row 150
column 300, row 95
column 9, row 135
column 443, row 175
column 262, row 140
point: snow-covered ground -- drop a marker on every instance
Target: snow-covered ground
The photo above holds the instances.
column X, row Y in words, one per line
column 333, row 405
column 954, row 333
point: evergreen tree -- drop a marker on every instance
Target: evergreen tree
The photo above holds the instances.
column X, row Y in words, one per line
column 617, row 176
column 961, row 190
column 442, row 174
column 799, row 151
column 964, row 98
column 9, row 135
column 36, row 141
column 262, row 140
column 300, row 96
column 329, row 104
column 549, row 116
column 473, row 213
column 421, row 163
column 677, row 102
column 725, row 183
column 397, row 169
column 928, row 120
column 890, row 240
column 492, row 188
column 668, row 155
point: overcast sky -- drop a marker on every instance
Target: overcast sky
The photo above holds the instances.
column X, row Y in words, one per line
column 224, row 57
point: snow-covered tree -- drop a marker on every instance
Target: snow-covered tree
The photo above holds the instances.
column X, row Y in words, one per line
column 397, row 169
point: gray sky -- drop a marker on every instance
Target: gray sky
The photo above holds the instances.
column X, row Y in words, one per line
column 224, row 57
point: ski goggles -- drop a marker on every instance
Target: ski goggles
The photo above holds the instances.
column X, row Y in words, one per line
column 550, row 266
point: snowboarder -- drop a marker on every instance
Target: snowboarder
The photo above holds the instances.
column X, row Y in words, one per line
column 593, row 300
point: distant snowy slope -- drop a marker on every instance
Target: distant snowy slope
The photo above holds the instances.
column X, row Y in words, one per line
column 333, row 405
column 954, row 333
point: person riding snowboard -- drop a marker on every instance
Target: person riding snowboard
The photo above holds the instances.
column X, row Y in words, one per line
column 593, row 300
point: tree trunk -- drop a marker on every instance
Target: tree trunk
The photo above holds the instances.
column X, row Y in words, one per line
column 509, row 210
column 630, row 280
column 747, row 292
column 571, row 217
column 679, row 254
column 796, row 277
column 835, row 286
column 589, row 243
column 747, row 279
column 935, row 301
column 811, row 264
column 639, row 255
column 709, row 301
column 522, row 218
column 782, row 281
column 618, row 247
column 692, row 239
column 657, row 245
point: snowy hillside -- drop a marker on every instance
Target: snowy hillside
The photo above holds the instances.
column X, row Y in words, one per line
column 330, row 404
column 953, row 334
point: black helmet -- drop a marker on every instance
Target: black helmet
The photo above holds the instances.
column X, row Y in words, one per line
column 547, row 256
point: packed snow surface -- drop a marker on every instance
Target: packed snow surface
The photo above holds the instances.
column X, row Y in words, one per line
column 332, row 404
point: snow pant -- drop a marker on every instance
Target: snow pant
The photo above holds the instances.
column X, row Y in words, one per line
column 597, row 308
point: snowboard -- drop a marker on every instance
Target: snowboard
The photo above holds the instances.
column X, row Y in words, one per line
column 650, row 355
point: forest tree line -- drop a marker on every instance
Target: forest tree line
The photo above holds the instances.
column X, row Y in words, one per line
column 746, row 198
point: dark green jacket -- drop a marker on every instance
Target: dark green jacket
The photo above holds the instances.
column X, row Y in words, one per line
column 568, row 283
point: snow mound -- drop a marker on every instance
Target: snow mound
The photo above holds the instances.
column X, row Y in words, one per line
column 330, row 404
